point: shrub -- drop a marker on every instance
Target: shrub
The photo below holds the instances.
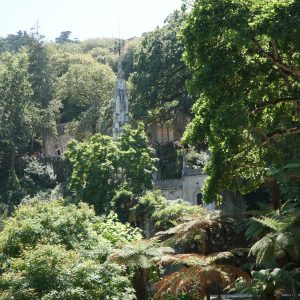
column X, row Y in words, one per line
column 55, row 250
column 51, row 272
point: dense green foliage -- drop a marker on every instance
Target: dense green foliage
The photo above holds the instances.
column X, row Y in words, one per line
column 51, row 272
column 14, row 42
column 163, row 213
column 240, row 60
column 244, row 63
column 43, row 84
column 37, row 177
column 15, row 110
column 55, row 250
column 102, row 167
column 160, row 74
column 85, row 88
column 265, row 282
column 244, row 59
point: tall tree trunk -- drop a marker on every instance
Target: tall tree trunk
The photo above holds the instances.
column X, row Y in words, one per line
column 44, row 145
column 270, row 296
column 140, row 284
column 219, row 292
column 295, row 292
column 13, row 182
column 32, row 145
column 13, row 160
column 275, row 194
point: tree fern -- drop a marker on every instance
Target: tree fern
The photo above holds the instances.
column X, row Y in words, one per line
column 280, row 236
column 194, row 228
column 198, row 274
column 277, row 246
column 196, row 281
column 288, row 243
column 272, row 223
column 193, row 259
column 138, row 254
column 266, row 283
column 264, row 249
column 255, row 229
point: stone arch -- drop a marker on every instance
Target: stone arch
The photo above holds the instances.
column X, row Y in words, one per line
column 199, row 199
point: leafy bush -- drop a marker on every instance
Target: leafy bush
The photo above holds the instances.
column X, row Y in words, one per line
column 150, row 202
column 114, row 231
column 55, row 250
column 164, row 213
column 38, row 176
column 49, row 223
column 103, row 167
column 266, row 282
column 51, row 272
column 171, row 214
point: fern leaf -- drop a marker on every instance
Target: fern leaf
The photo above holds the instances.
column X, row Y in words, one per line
column 264, row 250
column 196, row 281
column 271, row 223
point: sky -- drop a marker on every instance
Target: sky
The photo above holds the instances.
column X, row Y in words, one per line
column 85, row 18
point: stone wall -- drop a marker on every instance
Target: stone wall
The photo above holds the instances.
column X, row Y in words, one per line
column 60, row 141
column 186, row 188
column 162, row 133
column 171, row 189
column 192, row 186
column 233, row 204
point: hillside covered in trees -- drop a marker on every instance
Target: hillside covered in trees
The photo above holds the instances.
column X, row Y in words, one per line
column 89, row 224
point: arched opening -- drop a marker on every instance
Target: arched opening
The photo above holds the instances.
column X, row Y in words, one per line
column 199, row 199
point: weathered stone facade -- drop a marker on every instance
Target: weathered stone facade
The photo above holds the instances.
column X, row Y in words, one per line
column 163, row 133
column 188, row 188
column 59, row 142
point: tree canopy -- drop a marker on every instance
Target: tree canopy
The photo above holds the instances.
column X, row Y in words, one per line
column 15, row 104
column 241, row 60
column 244, row 59
column 158, row 81
column 101, row 166
column 56, row 250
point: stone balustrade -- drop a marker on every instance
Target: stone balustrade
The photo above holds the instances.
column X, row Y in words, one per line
column 171, row 183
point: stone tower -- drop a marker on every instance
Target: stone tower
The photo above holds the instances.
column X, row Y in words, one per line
column 120, row 105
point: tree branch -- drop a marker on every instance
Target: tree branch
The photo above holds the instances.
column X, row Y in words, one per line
column 278, row 58
column 172, row 97
column 280, row 133
column 275, row 49
column 274, row 102
column 170, row 75
column 275, row 59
